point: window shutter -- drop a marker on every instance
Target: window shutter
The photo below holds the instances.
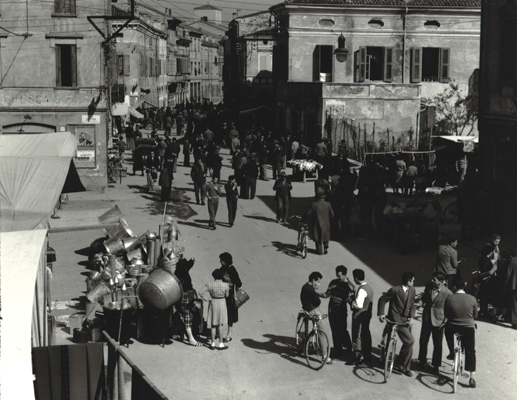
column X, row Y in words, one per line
column 388, row 64
column 58, row 66
column 316, row 63
column 120, row 64
column 126, row 65
column 73, row 66
column 362, row 64
column 444, row 64
column 416, row 64
column 262, row 62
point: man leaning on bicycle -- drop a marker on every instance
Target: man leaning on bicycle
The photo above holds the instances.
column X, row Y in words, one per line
column 460, row 311
column 401, row 310
column 310, row 299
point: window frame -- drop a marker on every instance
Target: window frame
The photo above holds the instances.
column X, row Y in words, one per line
column 444, row 64
column 362, row 72
column 317, row 62
column 65, row 7
column 59, row 65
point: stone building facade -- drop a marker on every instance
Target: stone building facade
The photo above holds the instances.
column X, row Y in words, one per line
column 397, row 53
column 52, row 77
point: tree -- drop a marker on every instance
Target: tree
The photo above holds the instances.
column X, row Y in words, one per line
column 456, row 114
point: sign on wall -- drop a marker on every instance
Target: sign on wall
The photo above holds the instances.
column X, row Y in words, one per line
column 85, row 135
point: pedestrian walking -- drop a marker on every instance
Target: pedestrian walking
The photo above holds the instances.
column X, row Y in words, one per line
column 165, row 183
column 197, row 173
column 129, row 136
column 283, row 188
column 230, row 276
column 186, row 153
column 361, row 317
column 213, row 191
column 251, row 173
column 232, row 196
column 175, row 152
column 321, row 215
column 121, row 148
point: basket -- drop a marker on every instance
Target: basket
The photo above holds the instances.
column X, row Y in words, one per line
column 241, row 297
column 161, row 290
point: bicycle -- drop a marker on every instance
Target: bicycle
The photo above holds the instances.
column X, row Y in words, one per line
column 151, row 178
column 309, row 343
column 303, row 237
column 451, row 211
column 389, row 352
column 459, row 361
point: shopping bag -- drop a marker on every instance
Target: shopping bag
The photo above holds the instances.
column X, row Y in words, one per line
column 241, row 297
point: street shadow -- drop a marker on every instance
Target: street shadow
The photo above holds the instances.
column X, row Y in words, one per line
column 369, row 374
column 85, row 251
column 260, row 218
column 198, row 223
column 290, row 249
column 439, row 383
column 284, row 346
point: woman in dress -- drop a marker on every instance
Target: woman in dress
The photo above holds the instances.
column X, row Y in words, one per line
column 216, row 292
column 231, row 276
column 187, row 305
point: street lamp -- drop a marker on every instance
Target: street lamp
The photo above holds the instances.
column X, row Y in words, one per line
column 341, row 53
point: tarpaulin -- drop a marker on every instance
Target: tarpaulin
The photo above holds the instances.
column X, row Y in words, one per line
column 34, row 169
column 24, row 308
column 133, row 111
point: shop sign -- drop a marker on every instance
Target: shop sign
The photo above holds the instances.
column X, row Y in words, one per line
column 91, row 119
column 85, row 135
column 48, row 98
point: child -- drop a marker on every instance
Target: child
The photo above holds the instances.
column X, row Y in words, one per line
column 121, row 147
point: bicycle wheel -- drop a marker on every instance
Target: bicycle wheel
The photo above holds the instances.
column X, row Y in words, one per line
column 305, row 244
column 315, row 354
column 451, row 212
column 300, row 335
column 389, row 358
column 456, row 369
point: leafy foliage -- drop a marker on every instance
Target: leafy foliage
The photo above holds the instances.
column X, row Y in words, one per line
column 456, row 114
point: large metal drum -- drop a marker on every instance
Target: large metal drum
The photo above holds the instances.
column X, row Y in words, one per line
column 161, row 290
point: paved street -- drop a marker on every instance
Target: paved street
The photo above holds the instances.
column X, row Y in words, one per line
column 262, row 362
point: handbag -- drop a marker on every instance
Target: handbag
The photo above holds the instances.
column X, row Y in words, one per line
column 241, row 297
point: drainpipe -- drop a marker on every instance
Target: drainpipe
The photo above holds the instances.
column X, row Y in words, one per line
column 404, row 45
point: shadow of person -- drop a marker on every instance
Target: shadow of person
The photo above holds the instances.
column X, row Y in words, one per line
column 260, row 218
column 439, row 383
column 198, row 223
column 284, row 346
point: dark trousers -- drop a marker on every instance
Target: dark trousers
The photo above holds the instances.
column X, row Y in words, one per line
column 338, row 325
column 263, row 170
column 406, row 352
column 321, row 246
column 468, row 341
column 216, row 173
column 277, row 168
column 361, row 336
column 186, row 159
column 232, row 210
column 213, row 205
column 251, row 186
column 436, row 332
column 199, row 190
column 166, row 193
column 282, row 208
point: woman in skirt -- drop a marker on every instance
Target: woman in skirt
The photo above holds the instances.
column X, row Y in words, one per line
column 188, row 304
column 231, row 276
column 216, row 292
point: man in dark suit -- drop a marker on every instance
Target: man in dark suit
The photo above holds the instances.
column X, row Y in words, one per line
column 321, row 215
column 433, row 318
column 232, row 196
column 402, row 310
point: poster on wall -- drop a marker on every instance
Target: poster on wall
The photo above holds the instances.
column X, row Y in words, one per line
column 85, row 135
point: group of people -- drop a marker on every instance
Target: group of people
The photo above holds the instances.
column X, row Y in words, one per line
column 443, row 311
column 220, row 295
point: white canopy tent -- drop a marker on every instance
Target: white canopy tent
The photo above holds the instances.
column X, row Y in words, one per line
column 24, row 309
column 34, row 169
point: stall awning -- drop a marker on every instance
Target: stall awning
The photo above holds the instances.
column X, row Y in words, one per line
column 34, row 169
column 24, row 309
column 143, row 103
column 134, row 112
column 458, row 139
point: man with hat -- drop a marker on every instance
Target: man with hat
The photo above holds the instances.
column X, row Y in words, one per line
column 433, row 300
column 321, row 214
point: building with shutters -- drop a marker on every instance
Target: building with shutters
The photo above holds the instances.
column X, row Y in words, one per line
column 249, row 62
column 53, row 77
column 357, row 70
column 498, row 109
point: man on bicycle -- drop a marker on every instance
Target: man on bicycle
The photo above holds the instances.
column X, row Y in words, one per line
column 460, row 311
column 402, row 310
column 310, row 299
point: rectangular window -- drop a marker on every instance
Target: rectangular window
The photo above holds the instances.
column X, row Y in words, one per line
column 64, row 6
column 123, row 64
column 430, row 64
column 373, row 64
column 322, row 63
column 66, row 65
